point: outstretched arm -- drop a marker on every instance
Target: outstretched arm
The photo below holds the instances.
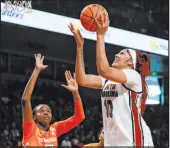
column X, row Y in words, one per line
column 83, row 79
column 26, row 98
column 68, row 124
column 102, row 63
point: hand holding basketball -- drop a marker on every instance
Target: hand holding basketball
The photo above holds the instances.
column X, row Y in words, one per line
column 77, row 35
column 89, row 14
column 103, row 26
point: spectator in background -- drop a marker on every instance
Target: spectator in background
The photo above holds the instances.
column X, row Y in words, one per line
column 66, row 142
column 101, row 140
column 14, row 134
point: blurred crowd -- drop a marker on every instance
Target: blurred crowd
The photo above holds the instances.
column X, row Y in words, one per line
column 61, row 103
column 146, row 17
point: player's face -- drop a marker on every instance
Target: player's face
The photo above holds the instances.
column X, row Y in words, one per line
column 122, row 59
column 44, row 114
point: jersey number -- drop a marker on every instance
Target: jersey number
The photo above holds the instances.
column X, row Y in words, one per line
column 109, row 108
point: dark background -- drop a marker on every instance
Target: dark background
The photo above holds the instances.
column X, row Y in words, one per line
column 19, row 43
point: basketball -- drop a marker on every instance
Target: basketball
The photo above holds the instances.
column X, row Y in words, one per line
column 89, row 13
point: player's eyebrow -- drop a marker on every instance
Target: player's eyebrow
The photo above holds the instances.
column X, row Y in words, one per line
column 128, row 52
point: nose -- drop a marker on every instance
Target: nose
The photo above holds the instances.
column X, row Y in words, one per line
column 46, row 113
column 117, row 55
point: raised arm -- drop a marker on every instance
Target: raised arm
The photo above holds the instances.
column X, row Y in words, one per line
column 68, row 124
column 83, row 79
column 26, row 97
column 102, row 63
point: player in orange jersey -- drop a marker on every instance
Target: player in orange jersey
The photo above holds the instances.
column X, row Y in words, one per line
column 100, row 143
column 37, row 130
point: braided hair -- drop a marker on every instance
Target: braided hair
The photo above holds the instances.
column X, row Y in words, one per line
column 143, row 68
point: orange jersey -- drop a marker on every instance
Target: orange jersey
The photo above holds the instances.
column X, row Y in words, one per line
column 33, row 136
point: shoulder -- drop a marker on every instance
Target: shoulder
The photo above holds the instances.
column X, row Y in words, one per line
column 57, row 124
column 132, row 76
column 29, row 123
column 131, row 71
column 134, row 81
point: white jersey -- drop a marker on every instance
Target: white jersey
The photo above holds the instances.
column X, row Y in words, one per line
column 122, row 121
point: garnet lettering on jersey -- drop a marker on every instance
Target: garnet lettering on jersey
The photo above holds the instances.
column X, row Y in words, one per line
column 110, row 91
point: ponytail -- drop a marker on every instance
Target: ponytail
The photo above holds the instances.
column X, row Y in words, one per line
column 143, row 68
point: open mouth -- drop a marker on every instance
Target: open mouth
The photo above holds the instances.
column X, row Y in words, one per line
column 116, row 59
column 46, row 118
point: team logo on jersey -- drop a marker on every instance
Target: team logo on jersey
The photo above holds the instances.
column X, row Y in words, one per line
column 110, row 91
column 52, row 130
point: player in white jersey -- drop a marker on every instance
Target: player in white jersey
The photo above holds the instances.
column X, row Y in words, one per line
column 124, row 90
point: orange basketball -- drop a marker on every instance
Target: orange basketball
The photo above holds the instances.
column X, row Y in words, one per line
column 89, row 13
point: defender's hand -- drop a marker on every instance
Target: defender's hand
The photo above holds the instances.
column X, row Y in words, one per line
column 71, row 82
column 39, row 62
column 77, row 35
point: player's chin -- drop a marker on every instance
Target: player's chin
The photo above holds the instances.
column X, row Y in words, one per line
column 46, row 121
column 113, row 64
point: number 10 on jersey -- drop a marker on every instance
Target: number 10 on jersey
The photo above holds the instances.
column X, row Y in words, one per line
column 109, row 108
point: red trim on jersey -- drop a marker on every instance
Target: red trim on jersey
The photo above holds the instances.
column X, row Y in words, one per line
column 137, row 126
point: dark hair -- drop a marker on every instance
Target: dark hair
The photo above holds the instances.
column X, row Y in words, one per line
column 143, row 68
column 100, row 131
column 34, row 111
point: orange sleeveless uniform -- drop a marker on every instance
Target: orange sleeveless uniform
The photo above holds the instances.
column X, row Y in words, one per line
column 33, row 136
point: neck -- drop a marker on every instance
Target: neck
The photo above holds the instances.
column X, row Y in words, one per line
column 43, row 126
column 121, row 68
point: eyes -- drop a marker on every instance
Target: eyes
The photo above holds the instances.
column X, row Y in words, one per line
column 123, row 52
column 42, row 111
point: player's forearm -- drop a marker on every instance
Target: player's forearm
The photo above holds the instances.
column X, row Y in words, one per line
column 76, row 95
column 79, row 68
column 78, row 116
column 30, row 85
column 101, row 59
column 78, row 112
column 78, row 107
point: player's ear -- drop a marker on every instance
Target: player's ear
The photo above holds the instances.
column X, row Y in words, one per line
column 34, row 118
column 130, row 63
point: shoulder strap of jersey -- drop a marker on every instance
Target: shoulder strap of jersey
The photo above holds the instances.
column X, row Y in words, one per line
column 105, row 82
column 131, row 89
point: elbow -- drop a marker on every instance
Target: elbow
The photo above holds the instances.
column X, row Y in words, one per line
column 80, row 82
column 81, row 118
column 26, row 97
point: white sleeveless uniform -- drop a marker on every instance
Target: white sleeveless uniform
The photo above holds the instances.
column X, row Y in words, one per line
column 122, row 122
